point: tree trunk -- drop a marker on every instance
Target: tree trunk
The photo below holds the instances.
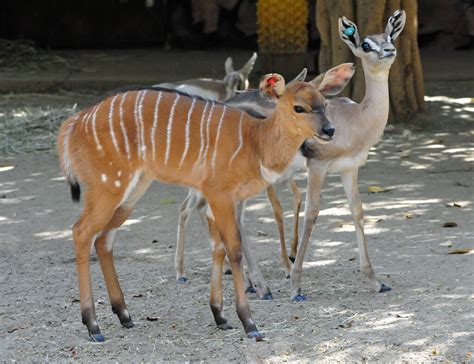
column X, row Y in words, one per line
column 406, row 75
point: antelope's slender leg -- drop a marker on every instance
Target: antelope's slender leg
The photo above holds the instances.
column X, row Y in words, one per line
column 184, row 209
column 104, row 248
column 316, row 176
column 256, row 276
column 296, row 214
column 216, row 297
column 278, row 214
column 349, row 181
column 223, row 209
column 98, row 210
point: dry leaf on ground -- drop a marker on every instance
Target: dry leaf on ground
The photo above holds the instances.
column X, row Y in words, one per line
column 460, row 251
column 378, row 189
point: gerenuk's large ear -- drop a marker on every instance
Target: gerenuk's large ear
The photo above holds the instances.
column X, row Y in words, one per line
column 349, row 33
column 272, row 86
column 334, row 80
column 395, row 24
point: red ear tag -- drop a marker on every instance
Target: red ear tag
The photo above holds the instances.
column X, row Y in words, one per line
column 272, row 80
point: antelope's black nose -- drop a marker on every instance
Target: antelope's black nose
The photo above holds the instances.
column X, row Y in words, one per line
column 328, row 130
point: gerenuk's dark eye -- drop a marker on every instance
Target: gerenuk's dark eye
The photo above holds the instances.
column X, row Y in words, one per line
column 366, row 47
column 299, row 109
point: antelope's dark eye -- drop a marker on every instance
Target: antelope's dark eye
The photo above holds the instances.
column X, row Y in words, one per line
column 366, row 47
column 299, row 109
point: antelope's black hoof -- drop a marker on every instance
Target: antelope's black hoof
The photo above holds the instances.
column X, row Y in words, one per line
column 182, row 280
column 228, row 271
column 97, row 338
column 300, row 298
column 384, row 288
column 127, row 324
column 251, row 290
column 255, row 335
column 267, row 297
column 225, row 326
column 292, row 259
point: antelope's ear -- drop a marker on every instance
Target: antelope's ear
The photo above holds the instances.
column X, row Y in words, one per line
column 229, row 65
column 301, row 76
column 333, row 81
column 272, row 86
column 395, row 24
column 248, row 67
column 349, row 33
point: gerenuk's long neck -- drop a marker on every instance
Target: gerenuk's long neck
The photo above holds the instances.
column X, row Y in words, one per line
column 375, row 105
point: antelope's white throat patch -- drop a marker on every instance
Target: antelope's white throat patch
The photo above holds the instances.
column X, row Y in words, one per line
column 268, row 175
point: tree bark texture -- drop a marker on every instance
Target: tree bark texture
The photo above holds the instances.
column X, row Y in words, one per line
column 406, row 75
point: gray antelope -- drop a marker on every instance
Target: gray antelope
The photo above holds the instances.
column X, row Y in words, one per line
column 119, row 146
column 332, row 82
column 359, row 127
column 217, row 90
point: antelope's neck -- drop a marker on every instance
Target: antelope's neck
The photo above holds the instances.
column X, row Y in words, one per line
column 276, row 145
column 375, row 104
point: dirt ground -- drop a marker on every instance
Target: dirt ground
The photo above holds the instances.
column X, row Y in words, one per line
column 428, row 316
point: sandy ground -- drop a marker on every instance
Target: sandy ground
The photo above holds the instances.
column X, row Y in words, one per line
column 427, row 316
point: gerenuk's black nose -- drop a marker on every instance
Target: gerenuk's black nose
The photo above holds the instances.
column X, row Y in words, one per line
column 328, row 130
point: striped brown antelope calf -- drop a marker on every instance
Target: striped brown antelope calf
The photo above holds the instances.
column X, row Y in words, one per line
column 121, row 145
column 333, row 82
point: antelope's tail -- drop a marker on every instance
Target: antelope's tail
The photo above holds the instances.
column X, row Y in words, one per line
column 63, row 148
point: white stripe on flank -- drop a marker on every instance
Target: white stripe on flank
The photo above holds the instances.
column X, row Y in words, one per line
column 94, row 131
column 201, row 133
column 86, row 120
column 137, row 122
column 142, row 126
column 186, row 146
column 214, row 156
column 111, row 125
column 209, row 119
column 168, row 129
column 83, row 121
column 155, row 123
column 241, row 140
column 122, row 126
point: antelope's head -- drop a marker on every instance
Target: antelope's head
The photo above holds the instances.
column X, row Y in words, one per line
column 238, row 80
column 377, row 51
column 301, row 106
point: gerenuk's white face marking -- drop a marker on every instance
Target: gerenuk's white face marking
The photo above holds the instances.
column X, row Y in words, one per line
column 122, row 126
column 241, row 140
column 111, row 125
column 214, row 156
column 187, row 137
column 155, row 124
column 170, row 128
